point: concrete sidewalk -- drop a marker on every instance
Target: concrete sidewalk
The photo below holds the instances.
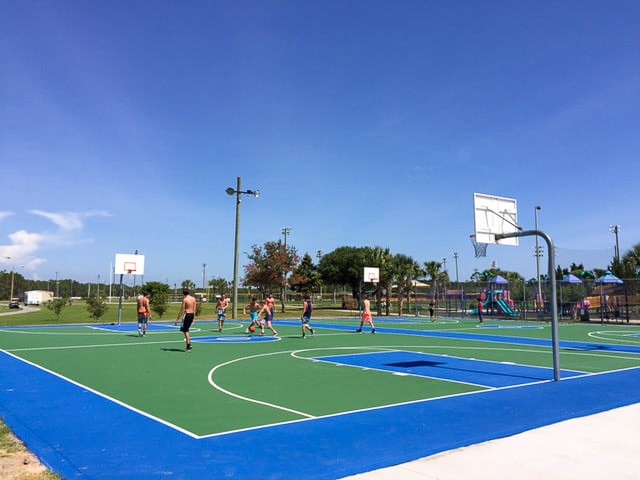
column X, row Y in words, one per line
column 605, row 445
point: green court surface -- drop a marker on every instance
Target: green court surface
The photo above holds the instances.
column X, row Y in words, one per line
column 232, row 381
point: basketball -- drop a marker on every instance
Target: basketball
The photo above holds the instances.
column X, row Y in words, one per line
column 252, row 328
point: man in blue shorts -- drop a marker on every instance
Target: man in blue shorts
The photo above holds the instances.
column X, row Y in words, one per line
column 254, row 307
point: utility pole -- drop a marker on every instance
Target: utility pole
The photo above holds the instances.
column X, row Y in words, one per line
column 204, row 276
column 615, row 229
column 319, row 257
column 538, row 254
column 285, row 232
column 455, row 257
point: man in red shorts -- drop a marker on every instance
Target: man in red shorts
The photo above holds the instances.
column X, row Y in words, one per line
column 366, row 315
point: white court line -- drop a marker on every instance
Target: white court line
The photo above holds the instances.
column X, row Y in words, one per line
column 248, row 399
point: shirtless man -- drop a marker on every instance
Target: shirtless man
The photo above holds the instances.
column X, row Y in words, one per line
column 144, row 313
column 366, row 315
column 188, row 314
column 223, row 304
column 268, row 309
column 253, row 308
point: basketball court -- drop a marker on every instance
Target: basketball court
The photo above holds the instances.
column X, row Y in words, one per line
column 242, row 406
column 98, row 401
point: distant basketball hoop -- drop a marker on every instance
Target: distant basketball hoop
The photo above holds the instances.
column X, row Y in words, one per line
column 371, row 274
column 479, row 248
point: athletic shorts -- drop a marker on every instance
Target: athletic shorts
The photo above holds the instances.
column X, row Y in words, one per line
column 186, row 322
column 253, row 316
column 305, row 320
column 366, row 317
column 222, row 315
column 142, row 319
column 269, row 317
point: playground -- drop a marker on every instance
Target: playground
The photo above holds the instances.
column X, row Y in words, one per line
column 241, row 406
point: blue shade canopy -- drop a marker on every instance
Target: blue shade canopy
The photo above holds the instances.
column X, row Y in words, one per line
column 570, row 279
column 499, row 280
column 608, row 278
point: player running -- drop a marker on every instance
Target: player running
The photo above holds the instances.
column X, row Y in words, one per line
column 268, row 310
column 253, row 308
column 307, row 309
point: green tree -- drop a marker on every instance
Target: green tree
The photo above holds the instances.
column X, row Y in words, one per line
column 381, row 257
column 97, row 307
column 269, row 266
column 406, row 271
column 432, row 272
column 306, row 277
column 57, row 305
column 188, row 284
column 219, row 286
column 159, row 297
column 344, row 266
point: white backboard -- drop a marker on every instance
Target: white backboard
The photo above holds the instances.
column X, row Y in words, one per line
column 492, row 215
column 371, row 274
column 129, row 264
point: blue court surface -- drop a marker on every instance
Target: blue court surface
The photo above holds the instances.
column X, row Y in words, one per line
column 473, row 372
column 82, row 434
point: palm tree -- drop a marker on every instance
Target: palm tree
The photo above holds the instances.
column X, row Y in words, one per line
column 432, row 271
column 406, row 271
column 631, row 262
column 381, row 258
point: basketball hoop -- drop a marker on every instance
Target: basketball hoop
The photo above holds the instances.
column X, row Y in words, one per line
column 479, row 248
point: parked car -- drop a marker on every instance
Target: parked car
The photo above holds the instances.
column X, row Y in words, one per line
column 14, row 303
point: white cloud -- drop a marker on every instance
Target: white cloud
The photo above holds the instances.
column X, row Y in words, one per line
column 4, row 215
column 69, row 221
column 25, row 246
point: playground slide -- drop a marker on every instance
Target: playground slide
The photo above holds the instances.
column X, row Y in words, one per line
column 506, row 309
column 502, row 306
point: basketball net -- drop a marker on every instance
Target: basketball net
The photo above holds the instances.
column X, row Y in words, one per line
column 480, row 248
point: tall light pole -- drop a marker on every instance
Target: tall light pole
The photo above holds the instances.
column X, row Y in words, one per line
column 455, row 257
column 57, row 286
column 204, row 276
column 615, row 229
column 538, row 254
column 13, row 272
column 286, row 231
column 238, row 192
column 319, row 257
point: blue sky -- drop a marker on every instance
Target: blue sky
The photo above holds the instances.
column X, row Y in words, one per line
column 361, row 122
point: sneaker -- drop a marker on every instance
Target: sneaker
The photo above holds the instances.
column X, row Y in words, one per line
column 188, row 349
column 313, row 332
column 373, row 331
column 139, row 333
column 359, row 330
column 304, row 336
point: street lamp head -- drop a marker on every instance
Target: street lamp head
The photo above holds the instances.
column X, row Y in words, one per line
column 255, row 193
column 230, row 191
column 538, row 207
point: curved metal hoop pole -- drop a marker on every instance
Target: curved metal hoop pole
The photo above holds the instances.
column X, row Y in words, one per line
column 552, row 278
